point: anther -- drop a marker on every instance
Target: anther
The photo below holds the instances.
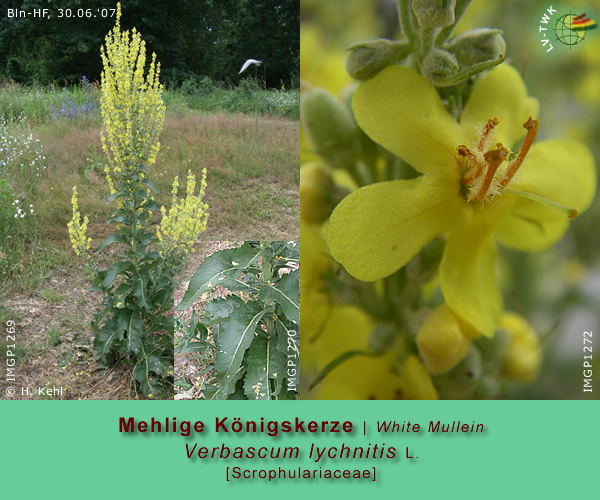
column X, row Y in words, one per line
column 532, row 128
column 489, row 126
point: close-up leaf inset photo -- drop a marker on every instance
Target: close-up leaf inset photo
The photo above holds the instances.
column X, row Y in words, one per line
column 237, row 334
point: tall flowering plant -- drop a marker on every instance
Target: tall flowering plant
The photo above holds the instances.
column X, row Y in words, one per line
column 135, row 325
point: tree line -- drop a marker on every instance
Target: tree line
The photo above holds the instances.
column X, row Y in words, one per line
column 193, row 39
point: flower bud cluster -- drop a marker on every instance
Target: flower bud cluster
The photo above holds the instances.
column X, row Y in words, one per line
column 427, row 26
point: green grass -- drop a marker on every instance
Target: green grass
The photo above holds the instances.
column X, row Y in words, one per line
column 50, row 296
column 54, row 337
column 39, row 104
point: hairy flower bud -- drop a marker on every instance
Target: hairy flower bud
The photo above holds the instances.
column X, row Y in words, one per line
column 434, row 13
column 329, row 126
column 524, row 354
column 443, row 340
column 366, row 59
column 426, row 263
column 477, row 45
column 439, row 64
column 316, row 186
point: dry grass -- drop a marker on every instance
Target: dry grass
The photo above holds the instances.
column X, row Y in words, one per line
column 54, row 342
column 252, row 174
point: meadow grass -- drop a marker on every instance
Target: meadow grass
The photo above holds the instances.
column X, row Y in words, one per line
column 39, row 104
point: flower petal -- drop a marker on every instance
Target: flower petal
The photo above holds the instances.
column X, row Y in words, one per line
column 401, row 111
column 561, row 171
column 346, row 328
column 468, row 279
column 377, row 229
column 416, row 382
column 501, row 94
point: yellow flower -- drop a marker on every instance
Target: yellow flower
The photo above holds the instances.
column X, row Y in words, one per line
column 415, row 382
column 472, row 188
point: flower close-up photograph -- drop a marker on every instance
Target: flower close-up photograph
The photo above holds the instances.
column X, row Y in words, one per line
column 448, row 199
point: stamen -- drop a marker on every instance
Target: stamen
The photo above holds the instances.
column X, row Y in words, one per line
column 532, row 128
column 489, row 126
column 465, row 152
column 493, row 159
column 571, row 213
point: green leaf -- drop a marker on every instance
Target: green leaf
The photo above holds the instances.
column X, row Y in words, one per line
column 237, row 284
column 194, row 336
column 158, row 364
column 219, row 268
column 286, row 293
column 216, row 391
column 140, row 290
column 120, row 219
column 287, row 251
column 116, row 195
column 153, row 207
column 149, row 381
column 235, row 336
column 109, row 240
column 256, row 382
column 187, row 347
column 217, row 310
column 150, row 185
column 105, row 340
column 113, row 272
column 134, row 328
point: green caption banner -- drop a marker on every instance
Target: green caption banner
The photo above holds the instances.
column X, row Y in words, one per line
column 353, row 448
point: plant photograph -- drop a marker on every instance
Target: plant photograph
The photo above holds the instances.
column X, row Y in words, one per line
column 448, row 200
column 237, row 327
column 132, row 134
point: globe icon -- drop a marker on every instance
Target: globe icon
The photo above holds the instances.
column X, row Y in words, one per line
column 565, row 33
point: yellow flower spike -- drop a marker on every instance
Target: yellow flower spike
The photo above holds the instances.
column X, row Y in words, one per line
column 524, row 354
column 130, row 136
column 443, row 340
column 415, row 382
column 77, row 229
column 185, row 220
column 471, row 189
